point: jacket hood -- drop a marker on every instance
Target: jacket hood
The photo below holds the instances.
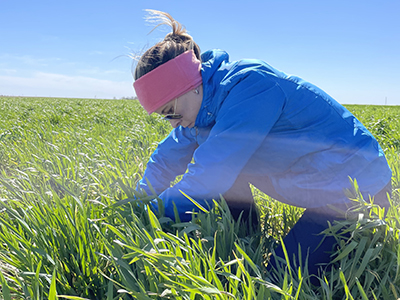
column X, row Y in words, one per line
column 212, row 74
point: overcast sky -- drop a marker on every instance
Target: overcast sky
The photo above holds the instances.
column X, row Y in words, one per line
column 349, row 48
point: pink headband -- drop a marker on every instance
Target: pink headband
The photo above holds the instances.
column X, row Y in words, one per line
column 168, row 81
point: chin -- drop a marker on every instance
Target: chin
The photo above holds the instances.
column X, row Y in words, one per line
column 187, row 124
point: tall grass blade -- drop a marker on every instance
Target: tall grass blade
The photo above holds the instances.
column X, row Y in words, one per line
column 5, row 289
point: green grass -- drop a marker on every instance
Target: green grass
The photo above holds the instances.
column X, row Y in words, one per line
column 70, row 225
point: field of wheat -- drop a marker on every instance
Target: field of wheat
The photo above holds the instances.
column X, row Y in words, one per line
column 72, row 225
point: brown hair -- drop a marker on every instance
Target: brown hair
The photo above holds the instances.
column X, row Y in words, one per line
column 174, row 43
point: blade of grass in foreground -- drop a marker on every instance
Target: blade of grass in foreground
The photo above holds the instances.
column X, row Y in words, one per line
column 53, row 290
column 5, row 289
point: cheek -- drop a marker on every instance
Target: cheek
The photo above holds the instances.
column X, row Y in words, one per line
column 196, row 110
column 193, row 114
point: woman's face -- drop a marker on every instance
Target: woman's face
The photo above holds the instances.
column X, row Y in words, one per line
column 187, row 105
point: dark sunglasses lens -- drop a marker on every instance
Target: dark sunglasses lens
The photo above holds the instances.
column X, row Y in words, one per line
column 172, row 117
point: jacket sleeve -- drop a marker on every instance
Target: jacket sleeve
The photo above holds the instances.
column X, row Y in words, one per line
column 252, row 103
column 170, row 159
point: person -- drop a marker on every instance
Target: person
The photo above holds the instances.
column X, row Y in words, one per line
column 241, row 122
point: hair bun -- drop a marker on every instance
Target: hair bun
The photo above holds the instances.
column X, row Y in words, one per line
column 178, row 37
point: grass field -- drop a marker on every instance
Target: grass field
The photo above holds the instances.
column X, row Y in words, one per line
column 70, row 227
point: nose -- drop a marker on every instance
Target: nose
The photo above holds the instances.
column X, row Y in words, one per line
column 175, row 123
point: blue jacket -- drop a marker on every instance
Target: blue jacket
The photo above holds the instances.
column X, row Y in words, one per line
column 257, row 121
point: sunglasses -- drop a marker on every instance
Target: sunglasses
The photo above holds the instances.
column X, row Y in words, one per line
column 173, row 116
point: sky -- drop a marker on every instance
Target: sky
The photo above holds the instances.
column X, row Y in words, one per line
column 82, row 48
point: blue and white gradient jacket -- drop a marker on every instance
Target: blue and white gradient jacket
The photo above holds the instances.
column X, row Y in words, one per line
column 259, row 122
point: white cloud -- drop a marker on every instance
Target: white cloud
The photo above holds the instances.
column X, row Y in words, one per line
column 99, row 72
column 28, row 60
column 96, row 52
column 8, row 71
column 58, row 85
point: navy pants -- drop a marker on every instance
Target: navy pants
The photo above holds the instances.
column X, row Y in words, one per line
column 305, row 233
column 240, row 201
